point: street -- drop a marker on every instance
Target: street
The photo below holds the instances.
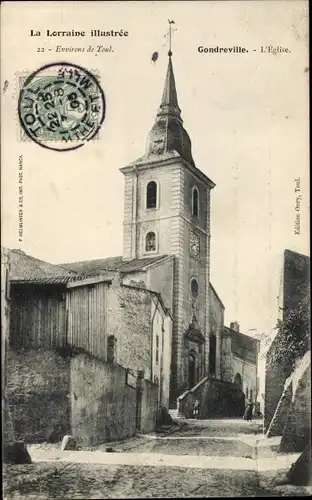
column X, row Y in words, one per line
column 203, row 458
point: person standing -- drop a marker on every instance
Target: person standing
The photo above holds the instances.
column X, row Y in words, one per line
column 248, row 411
column 196, row 409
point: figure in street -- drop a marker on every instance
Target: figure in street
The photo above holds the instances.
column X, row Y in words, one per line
column 196, row 409
column 248, row 411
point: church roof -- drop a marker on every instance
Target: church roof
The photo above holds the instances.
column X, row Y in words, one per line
column 111, row 263
column 168, row 138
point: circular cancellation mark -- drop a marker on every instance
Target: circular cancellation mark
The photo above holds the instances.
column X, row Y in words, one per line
column 61, row 106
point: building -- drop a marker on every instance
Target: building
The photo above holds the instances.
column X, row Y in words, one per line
column 166, row 244
column 167, row 227
column 88, row 355
column 99, row 315
column 239, row 360
column 166, row 251
column 287, row 408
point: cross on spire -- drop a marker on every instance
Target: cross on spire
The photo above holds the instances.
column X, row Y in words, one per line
column 170, row 36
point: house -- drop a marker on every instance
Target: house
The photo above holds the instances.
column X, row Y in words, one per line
column 239, row 360
column 65, row 328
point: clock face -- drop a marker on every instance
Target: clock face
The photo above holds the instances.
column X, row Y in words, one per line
column 194, row 245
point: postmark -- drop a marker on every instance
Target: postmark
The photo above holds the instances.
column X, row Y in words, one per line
column 61, row 106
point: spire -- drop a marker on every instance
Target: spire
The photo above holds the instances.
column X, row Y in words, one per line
column 168, row 136
column 169, row 102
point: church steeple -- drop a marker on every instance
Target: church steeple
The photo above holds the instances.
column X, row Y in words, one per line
column 168, row 136
column 169, row 102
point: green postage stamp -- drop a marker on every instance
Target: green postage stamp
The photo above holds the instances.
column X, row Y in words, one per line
column 61, row 106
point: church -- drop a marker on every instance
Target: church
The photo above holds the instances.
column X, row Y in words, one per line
column 166, row 266
column 166, row 246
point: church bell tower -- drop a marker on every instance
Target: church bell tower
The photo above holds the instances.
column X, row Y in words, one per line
column 167, row 212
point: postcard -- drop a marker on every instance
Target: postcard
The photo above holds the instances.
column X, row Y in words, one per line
column 155, row 248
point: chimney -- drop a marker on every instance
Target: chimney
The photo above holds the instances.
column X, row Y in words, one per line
column 234, row 326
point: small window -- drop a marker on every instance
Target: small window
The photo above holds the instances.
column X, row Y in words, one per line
column 195, row 201
column 150, row 242
column 151, row 195
column 157, row 349
column 111, row 346
column 194, row 288
column 250, row 396
column 247, row 392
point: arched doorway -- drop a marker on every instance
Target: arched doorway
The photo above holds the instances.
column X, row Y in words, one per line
column 191, row 370
column 238, row 380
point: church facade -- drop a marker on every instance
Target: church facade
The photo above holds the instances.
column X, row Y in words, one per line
column 167, row 212
column 166, row 245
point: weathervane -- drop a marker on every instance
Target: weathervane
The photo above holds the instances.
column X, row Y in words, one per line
column 169, row 36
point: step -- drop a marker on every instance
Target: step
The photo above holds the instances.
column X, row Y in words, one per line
column 174, row 414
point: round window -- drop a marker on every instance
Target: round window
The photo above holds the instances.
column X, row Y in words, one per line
column 194, row 288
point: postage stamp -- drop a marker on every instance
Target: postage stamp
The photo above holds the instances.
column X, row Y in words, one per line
column 61, row 106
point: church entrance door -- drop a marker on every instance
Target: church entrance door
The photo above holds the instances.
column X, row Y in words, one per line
column 191, row 370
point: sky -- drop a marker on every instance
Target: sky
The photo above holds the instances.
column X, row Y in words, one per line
column 246, row 114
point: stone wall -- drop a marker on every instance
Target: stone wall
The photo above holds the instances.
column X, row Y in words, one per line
column 297, row 430
column 295, row 287
column 226, row 365
column 275, row 376
column 160, row 279
column 277, row 423
column 296, row 277
column 129, row 320
column 216, row 325
column 38, row 393
column 149, row 406
column 103, row 405
column 51, row 395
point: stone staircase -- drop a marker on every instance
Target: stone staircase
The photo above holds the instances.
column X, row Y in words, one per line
column 176, row 415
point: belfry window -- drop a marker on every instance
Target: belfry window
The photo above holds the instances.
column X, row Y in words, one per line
column 195, row 201
column 151, row 195
column 150, row 242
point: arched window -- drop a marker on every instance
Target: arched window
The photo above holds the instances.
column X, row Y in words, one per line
column 150, row 242
column 194, row 288
column 195, row 201
column 247, row 392
column 250, row 395
column 151, row 195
